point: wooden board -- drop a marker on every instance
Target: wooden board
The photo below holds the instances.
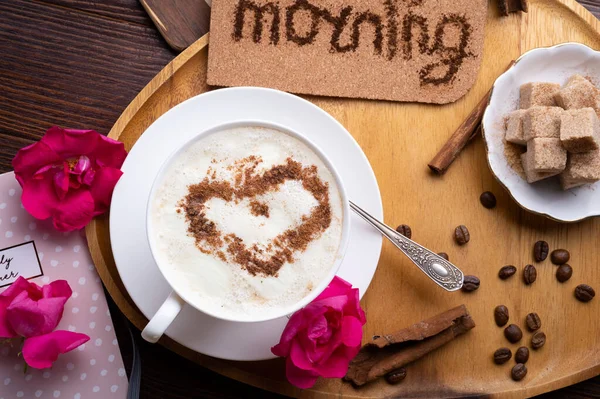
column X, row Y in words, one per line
column 180, row 22
column 399, row 140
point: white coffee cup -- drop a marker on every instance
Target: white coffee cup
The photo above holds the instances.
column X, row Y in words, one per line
column 174, row 303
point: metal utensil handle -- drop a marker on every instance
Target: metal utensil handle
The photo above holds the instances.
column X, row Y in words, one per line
column 444, row 273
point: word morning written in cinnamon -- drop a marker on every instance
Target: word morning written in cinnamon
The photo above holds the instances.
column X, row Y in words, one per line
column 403, row 50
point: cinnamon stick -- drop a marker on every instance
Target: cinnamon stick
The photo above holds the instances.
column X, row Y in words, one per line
column 463, row 134
column 508, row 6
column 390, row 352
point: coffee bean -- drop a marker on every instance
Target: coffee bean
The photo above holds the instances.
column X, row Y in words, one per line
column 564, row 272
column 488, row 200
column 540, row 251
column 518, row 372
column 396, row 376
column 470, row 283
column 461, row 235
column 533, row 322
column 584, row 293
column 507, row 271
column 501, row 315
column 502, row 355
column 405, row 230
column 538, row 340
column 513, row 333
column 560, row 256
column 444, row 255
column 522, row 355
column 376, row 337
column 529, row 274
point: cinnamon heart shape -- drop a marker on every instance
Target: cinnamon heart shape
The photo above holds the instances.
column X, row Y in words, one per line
column 268, row 258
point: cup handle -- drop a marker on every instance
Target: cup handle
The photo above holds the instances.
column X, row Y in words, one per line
column 159, row 323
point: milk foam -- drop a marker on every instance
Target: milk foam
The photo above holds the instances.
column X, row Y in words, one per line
column 225, row 288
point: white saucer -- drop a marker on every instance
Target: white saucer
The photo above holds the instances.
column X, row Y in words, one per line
column 137, row 269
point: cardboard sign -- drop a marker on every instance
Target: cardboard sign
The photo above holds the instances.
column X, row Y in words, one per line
column 19, row 260
column 403, row 50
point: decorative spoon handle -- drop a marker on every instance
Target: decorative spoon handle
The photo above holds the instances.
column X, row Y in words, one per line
column 444, row 273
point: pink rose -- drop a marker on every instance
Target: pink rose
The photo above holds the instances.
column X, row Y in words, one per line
column 33, row 312
column 69, row 176
column 321, row 339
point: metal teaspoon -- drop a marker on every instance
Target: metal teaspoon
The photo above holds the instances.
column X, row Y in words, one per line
column 444, row 273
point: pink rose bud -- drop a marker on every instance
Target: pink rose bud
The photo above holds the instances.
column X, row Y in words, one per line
column 33, row 312
column 321, row 339
column 69, row 176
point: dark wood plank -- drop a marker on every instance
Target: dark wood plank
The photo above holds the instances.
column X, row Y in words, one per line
column 592, row 5
column 69, row 67
column 180, row 22
column 79, row 63
column 123, row 10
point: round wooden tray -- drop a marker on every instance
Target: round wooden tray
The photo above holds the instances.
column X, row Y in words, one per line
column 399, row 140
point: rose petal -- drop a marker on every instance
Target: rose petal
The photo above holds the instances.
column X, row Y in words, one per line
column 83, row 165
column 18, row 286
column 31, row 158
column 6, row 330
column 353, row 308
column 352, row 331
column 299, row 356
column 61, row 182
column 58, row 288
column 337, row 287
column 323, row 352
column 336, row 365
column 102, row 188
column 39, row 197
column 294, row 325
column 75, row 212
column 20, row 319
column 303, row 379
column 29, row 318
column 70, row 143
column 317, row 328
column 109, row 153
column 87, row 178
column 335, row 303
column 40, row 352
column 323, row 339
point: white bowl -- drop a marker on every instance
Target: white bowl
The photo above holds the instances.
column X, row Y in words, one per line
column 552, row 64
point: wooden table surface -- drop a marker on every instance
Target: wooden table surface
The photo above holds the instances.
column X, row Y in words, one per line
column 78, row 63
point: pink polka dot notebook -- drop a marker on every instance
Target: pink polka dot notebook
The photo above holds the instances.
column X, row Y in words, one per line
column 41, row 254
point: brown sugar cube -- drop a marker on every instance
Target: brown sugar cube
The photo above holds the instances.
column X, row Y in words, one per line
column 576, row 79
column 577, row 93
column 580, row 130
column 542, row 122
column 547, row 155
column 595, row 102
column 581, row 169
column 514, row 127
column 538, row 94
column 531, row 175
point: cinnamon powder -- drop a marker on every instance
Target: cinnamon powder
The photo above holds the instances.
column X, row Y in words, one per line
column 512, row 153
column 259, row 208
column 248, row 184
